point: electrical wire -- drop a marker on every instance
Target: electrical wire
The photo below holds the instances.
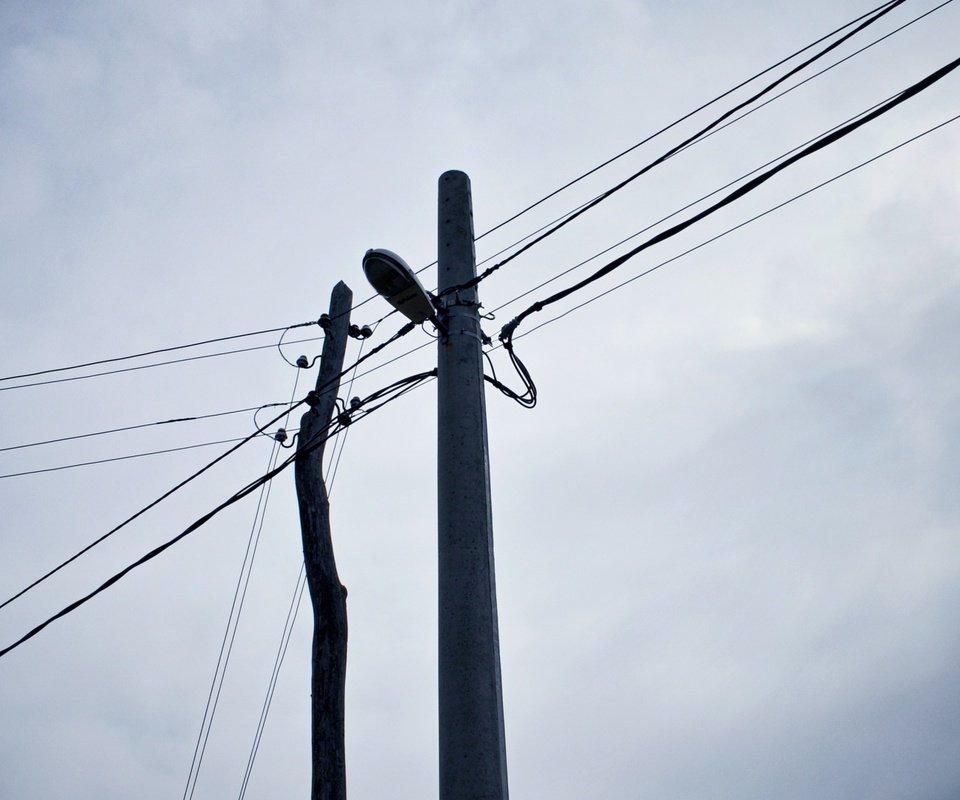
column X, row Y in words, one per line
column 683, row 208
column 387, row 395
column 156, row 364
column 233, row 618
column 154, row 352
column 288, row 624
column 886, row 9
column 398, row 335
column 506, row 333
column 138, row 427
column 118, row 458
column 737, row 227
column 685, row 117
column 709, row 134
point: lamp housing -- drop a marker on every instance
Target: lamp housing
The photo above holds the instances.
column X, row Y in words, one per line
column 393, row 280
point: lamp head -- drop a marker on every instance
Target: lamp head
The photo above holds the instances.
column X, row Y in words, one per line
column 393, row 280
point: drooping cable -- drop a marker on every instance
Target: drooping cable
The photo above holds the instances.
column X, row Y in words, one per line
column 886, row 9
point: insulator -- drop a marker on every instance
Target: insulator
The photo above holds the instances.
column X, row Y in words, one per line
column 354, row 331
column 324, row 321
column 366, row 332
column 280, row 435
column 355, row 403
column 312, row 399
column 344, row 418
column 302, row 362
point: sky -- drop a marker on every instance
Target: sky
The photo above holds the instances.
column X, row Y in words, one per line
column 726, row 538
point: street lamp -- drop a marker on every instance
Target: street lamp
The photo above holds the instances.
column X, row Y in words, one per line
column 393, row 280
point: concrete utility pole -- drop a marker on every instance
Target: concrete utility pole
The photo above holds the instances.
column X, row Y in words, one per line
column 473, row 762
column 327, row 594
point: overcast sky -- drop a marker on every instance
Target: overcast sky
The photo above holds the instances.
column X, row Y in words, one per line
column 727, row 537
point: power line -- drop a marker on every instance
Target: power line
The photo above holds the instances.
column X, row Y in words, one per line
column 726, row 125
column 398, row 335
column 398, row 389
column 507, row 332
column 740, row 225
column 886, row 9
column 154, row 352
column 155, row 364
column 139, row 426
column 683, row 208
column 119, row 458
column 687, row 116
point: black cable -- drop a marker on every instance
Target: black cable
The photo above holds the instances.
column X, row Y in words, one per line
column 726, row 125
column 155, row 364
column 885, row 9
column 689, row 205
column 307, row 447
column 740, row 225
column 507, row 332
column 676, row 122
column 141, row 425
column 399, row 334
column 154, row 352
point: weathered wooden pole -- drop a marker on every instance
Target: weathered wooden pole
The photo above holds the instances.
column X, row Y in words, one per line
column 328, row 596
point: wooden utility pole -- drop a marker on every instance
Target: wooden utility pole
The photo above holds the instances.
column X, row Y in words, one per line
column 328, row 596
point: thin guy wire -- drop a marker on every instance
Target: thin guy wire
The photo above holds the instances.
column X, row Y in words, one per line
column 263, row 500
